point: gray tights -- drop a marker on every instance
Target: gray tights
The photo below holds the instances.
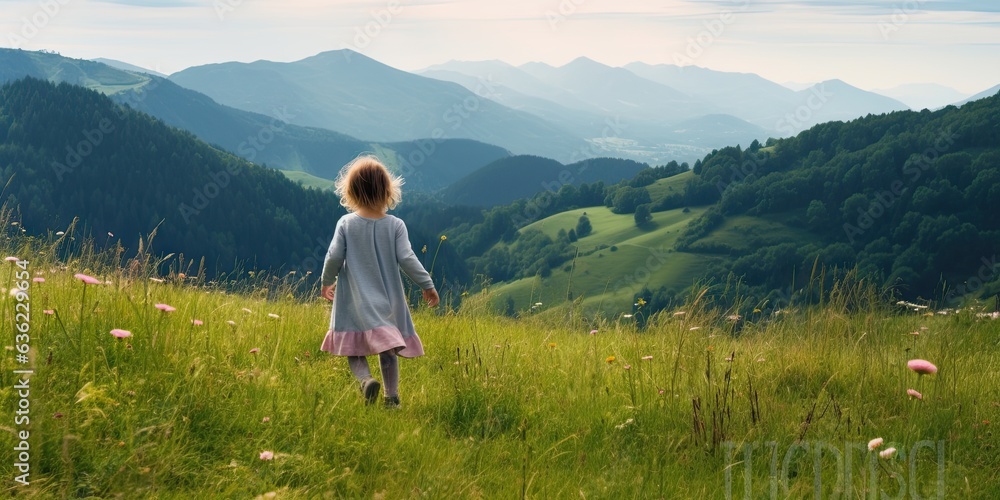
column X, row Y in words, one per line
column 390, row 370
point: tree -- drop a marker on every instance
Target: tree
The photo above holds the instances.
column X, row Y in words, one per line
column 642, row 214
column 627, row 198
column 816, row 214
column 583, row 227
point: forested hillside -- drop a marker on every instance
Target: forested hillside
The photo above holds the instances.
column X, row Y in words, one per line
column 508, row 179
column 70, row 152
column 910, row 198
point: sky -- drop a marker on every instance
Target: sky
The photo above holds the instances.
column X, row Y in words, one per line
column 869, row 44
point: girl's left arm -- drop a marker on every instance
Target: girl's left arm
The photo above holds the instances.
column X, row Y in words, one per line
column 408, row 260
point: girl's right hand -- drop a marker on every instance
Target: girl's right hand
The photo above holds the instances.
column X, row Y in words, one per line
column 431, row 296
column 328, row 291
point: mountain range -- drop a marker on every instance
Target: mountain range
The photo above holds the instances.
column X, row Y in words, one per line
column 662, row 105
column 350, row 93
column 428, row 164
column 924, row 95
column 449, row 120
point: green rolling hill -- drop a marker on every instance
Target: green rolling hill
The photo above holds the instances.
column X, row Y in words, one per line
column 615, row 262
column 670, row 185
column 515, row 177
column 308, row 180
column 906, row 201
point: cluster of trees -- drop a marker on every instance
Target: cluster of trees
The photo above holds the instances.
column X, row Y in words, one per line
column 910, row 198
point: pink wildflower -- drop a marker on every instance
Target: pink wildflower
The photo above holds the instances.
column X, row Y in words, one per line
column 267, row 455
column 166, row 307
column 914, row 394
column 197, row 322
column 90, row 280
column 921, row 366
column 874, row 443
column 117, row 332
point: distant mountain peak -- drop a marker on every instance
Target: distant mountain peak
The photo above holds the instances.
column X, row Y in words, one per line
column 585, row 62
column 836, row 82
column 336, row 54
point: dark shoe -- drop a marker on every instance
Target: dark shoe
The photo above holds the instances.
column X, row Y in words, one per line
column 370, row 388
column 392, row 402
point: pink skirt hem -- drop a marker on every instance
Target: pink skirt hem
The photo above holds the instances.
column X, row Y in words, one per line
column 374, row 341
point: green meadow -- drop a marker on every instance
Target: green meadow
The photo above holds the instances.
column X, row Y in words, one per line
column 243, row 405
column 308, row 180
column 612, row 264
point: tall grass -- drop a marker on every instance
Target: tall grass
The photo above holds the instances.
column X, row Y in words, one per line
column 688, row 407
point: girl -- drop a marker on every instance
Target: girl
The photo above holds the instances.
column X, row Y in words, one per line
column 369, row 247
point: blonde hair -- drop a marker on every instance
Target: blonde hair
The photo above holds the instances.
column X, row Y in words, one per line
column 365, row 183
